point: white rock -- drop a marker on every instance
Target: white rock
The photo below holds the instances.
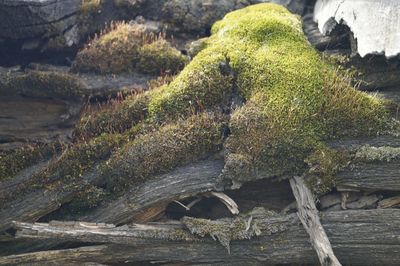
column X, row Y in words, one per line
column 374, row 23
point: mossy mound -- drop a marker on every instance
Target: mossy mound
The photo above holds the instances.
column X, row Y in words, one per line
column 124, row 47
column 293, row 99
column 290, row 102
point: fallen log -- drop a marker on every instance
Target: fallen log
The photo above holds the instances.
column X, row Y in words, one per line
column 142, row 203
column 146, row 201
column 357, row 237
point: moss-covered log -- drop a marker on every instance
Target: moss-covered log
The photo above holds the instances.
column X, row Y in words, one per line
column 257, row 70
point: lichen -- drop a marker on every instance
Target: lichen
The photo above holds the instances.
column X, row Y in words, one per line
column 369, row 153
column 242, row 227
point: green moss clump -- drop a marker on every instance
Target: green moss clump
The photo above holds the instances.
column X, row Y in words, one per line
column 45, row 84
column 112, row 52
column 201, row 86
column 295, row 100
column 124, row 47
column 160, row 57
column 162, row 150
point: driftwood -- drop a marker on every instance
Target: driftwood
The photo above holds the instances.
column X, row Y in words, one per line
column 357, row 237
column 308, row 215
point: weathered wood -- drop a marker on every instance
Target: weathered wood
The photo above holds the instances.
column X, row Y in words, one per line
column 159, row 192
column 370, row 176
column 37, row 203
column 308, row 215
column 362, row 174
column 358, row 238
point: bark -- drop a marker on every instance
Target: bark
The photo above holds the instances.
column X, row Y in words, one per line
column 357, row 237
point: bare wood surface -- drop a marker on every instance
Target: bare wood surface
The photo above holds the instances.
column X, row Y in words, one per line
column 308, row 215
column 371, row 176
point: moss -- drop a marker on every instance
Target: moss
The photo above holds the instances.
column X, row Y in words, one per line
column 112, row 52
column 116, row 118
column 382, row 154
column 78, row 159
column 160, row 57
column 124, row 47
column 202, row 85
column 45, row 84
column 323, row 164
column 65, row 170
column 17, row 160
column 197, row 46
column 295, row 100
column 239, row 228
column 164, row 149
